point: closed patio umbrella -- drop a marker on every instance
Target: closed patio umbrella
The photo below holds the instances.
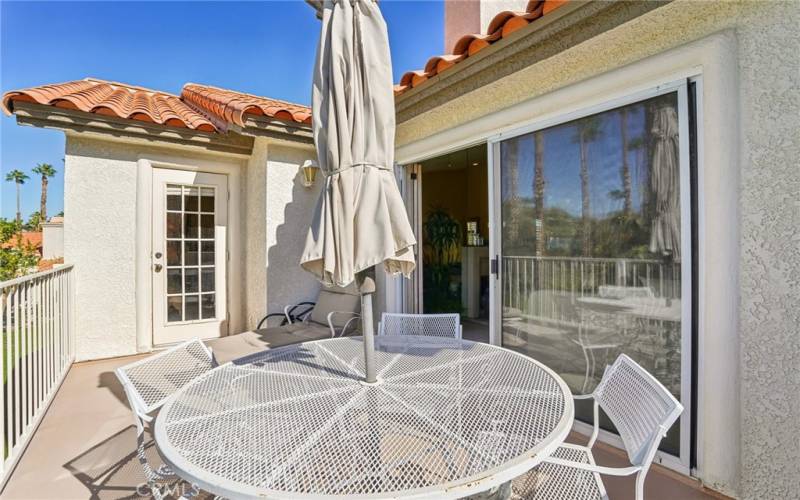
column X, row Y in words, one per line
column 665, row 235
column 360, row 220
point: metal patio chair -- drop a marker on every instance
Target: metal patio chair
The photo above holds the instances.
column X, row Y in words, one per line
column 337, row 308
column 429, row 325
column 150, row 382
column 641, row 409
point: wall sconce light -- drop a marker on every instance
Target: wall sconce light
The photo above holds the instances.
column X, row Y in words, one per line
column 308, row 172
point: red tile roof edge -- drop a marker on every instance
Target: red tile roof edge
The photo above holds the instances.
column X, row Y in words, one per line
column 501, row 26
column 199, row 107
column 231, row 106
column 26, row 238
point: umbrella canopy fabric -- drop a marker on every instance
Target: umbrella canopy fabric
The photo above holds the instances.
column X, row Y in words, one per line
column 665, row 235
column 360, row 219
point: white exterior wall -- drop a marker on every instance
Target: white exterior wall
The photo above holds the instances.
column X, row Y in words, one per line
column 255, row 230
column 106, row 194
column 290, row 208
column 100, row 201
column 52, row 240
column 278, row 212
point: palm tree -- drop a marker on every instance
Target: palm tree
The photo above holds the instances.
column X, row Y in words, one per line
column 45, row 170
column 538, row 191
column 588, row 130
column 514, row 202
column 625, row 173
column 19, row 177
column 636, row 145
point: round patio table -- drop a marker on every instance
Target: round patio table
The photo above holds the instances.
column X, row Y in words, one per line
column 447, row 418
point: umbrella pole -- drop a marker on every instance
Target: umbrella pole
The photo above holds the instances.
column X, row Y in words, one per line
column 366, row 289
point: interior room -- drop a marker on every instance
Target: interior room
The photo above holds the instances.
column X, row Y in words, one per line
column 455, row 237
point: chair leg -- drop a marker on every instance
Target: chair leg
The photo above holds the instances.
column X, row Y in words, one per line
column 151, row 475
column 586, row 375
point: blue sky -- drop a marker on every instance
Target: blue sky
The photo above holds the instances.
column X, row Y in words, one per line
column 265, row 48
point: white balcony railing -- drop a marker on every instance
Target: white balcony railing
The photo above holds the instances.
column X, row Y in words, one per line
column 547, row 287
column 37, row 351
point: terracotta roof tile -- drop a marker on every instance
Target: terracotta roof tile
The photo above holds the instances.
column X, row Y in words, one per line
column 114, row 99
column 27, row 238
column 200, row 107
column 231, row 106
column 501, row 26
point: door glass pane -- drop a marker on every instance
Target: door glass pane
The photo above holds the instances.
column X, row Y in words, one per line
column 207, row 226
column 190, row 200
column 209, row 309
column 591, row 238
column 192, row 305
column 174, row 281
column 190, row 225
column 190, row 228
column 173, row 225
column 174, row 308
column 191, row 284
column 207, row 200
column 173, row 197
column 173, row 253
column 208, row 279
column 207, row 253
column 191, row 252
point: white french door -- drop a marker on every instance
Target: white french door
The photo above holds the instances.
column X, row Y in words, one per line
column 189, row 255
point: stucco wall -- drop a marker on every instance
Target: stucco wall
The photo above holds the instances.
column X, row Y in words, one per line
column 100, row 200
column 100, row 203
column 757, row 456
column 289, row 208
column 52, row 241
column 255, row 234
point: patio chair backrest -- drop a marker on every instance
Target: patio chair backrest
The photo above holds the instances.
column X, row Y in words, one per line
column 149, row 382
column 338, row 299
column 430, row 325
column 639, row 406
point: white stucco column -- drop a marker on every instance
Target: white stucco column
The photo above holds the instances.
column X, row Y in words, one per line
column 255, row 234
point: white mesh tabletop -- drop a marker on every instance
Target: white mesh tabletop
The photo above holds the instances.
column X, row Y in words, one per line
column 448, row 418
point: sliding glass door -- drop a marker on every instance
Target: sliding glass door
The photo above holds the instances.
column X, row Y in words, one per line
column 595, row 245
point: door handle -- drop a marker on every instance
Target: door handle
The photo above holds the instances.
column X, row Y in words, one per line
column 157, row 268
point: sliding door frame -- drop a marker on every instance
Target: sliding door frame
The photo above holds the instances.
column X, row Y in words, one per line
column 681, row 463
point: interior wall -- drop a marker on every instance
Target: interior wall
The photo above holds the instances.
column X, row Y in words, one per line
column 461, row 189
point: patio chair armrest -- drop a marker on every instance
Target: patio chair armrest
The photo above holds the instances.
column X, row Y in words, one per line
column 268, row 316
column 331, row 315
column 288, row 314
column 582, row 396
column 291, row 316
column 608, row 471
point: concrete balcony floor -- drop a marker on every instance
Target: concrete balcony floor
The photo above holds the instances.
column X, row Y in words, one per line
column 85, row 448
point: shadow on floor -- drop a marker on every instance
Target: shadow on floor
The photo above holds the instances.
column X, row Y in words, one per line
column 108, row 472
column 108, row 380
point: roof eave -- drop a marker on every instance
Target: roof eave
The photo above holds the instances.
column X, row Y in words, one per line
column 555, row 32
column 68, row 120
column 263, row 126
